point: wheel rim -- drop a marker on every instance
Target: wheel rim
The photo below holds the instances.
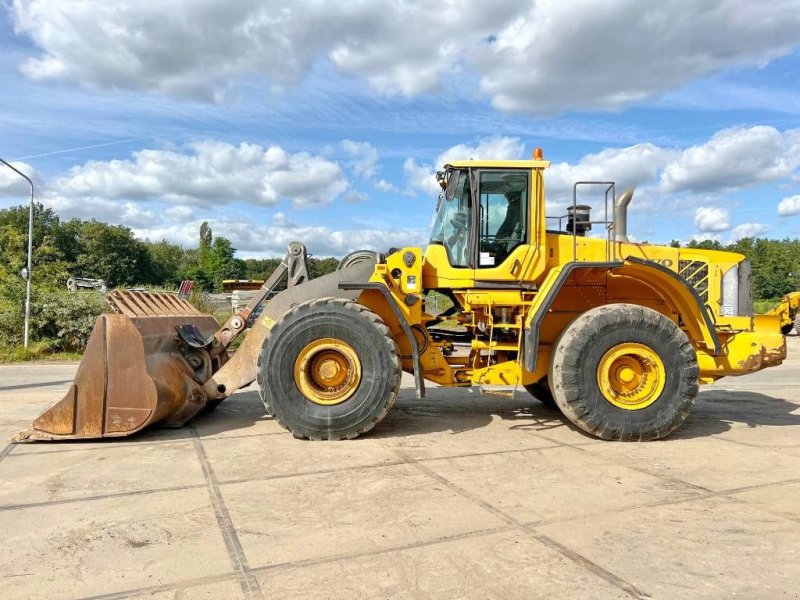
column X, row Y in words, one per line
column 631, row 376
column 327, row 371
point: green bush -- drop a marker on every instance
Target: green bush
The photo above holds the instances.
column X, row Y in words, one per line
column 67, row 318
column 61, row 320
column 12, row 307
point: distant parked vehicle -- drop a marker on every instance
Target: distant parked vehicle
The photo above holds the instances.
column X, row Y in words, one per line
column 185, row 289
column 76, row 283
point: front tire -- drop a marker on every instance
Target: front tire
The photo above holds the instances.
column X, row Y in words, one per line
column 329, row 370
column 624, row 372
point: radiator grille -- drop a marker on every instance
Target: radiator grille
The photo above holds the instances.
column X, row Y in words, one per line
column 696, row 273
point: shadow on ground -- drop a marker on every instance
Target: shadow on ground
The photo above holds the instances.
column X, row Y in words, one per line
column 458, row 410
column 716, row 410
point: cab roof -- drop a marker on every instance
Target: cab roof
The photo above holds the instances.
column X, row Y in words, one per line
column 499, row 164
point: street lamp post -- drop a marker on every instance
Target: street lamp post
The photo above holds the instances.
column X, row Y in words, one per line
column 30, row 253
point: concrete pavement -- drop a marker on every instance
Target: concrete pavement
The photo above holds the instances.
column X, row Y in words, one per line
column 455, row 496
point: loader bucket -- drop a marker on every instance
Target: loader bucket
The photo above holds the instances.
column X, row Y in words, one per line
column 136, row 371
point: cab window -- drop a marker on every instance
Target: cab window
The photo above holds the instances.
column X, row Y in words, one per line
column 453, row 228
column 503, row 215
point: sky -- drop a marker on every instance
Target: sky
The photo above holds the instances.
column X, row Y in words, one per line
column 325, row 121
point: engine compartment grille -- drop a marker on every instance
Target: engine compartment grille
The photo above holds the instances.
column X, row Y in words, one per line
column 696, row 273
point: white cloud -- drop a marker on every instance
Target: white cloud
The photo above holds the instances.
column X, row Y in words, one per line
column 590, row 55
column 709, row 219
column 385, row 186
column 179, row 211
column 539, row 57
column 746, row 230
column 254, row 241
column 734, row 158
column 11, row 184
column 789, row 206
column 631, row 166
column 422, row 177
column 280, row 219
column 354, row 196
column 363, row 157
column 121, row 212
column 498, row 147
column 211, row 173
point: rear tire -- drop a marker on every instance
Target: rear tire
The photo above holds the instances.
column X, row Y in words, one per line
column 359, row 357
column 645, row 363
column 541, row 391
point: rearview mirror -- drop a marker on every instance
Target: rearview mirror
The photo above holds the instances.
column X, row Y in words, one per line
column 452, row 184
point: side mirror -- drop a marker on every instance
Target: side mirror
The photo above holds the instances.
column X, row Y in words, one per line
column 452, row 184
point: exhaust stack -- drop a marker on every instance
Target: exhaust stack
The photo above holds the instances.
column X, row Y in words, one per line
column 621, row 216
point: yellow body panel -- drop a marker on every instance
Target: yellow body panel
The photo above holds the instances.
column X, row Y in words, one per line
column 495, row 317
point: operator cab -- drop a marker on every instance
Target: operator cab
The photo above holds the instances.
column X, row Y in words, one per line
column 482, row 215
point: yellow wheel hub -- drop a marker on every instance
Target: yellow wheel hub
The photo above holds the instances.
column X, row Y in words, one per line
column 631, row 376
column 327, row 371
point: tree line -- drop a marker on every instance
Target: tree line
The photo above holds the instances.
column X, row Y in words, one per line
column 78, row 248
column 97, row 250
column 62, row 321
column 776, row 263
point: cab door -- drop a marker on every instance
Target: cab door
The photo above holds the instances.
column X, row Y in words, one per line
column 502, row 240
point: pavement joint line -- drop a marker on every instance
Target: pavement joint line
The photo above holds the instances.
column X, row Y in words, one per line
column 762, row 508
column 580, row 560
column 27, row 505
column 299, row 564
column 627, row 465
column 705, row 493
column 22, row 386
column 309, row 562
column 709, row 493
column 130, row 442
column 95, row 445
column 236, row 553
column 740, row 443
column 8, row 507
column 393, row 463
column 591, row 566
column 9, row 448
column 688, row 499
column 747, row 488
column 165, row 587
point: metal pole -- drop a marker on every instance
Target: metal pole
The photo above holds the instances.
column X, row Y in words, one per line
column 30, row 253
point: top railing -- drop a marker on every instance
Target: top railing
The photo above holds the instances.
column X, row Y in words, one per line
column 608, row 221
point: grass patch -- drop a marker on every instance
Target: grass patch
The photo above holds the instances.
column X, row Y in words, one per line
column 36, row 351
column 764, row 306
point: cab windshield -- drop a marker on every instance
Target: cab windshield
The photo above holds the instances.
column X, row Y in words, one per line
column 452, row 227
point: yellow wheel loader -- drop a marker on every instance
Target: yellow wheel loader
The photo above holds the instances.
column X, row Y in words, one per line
column 616, row 335
column 788, row 311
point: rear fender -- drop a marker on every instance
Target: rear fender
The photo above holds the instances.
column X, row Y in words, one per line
column 673, row 289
